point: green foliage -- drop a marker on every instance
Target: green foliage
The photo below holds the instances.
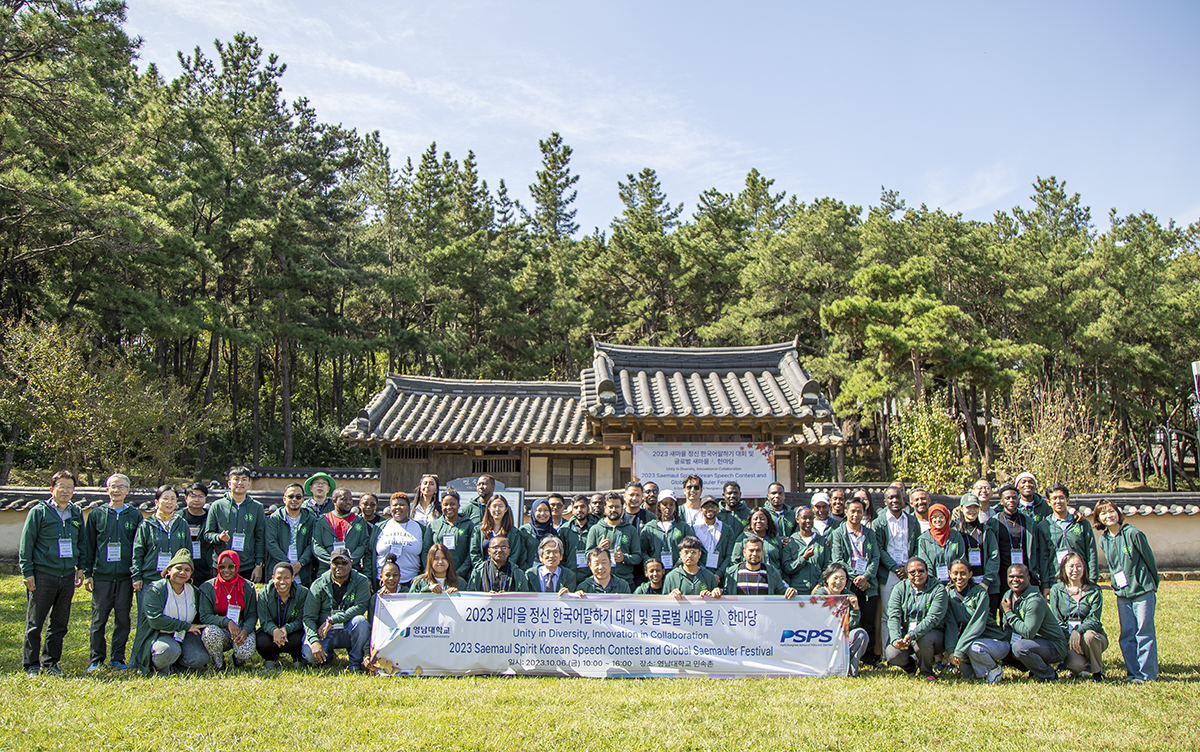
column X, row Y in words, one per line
column 926, row 448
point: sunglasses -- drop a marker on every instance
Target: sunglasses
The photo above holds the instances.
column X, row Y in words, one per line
column 293, row 496
column 693, row 487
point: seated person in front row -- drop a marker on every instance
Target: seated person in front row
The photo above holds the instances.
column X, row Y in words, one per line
column 439, row 575
column 281, row 617
column 336, row 613
column 549, row 577
column 655, row 574
column 688, row 577
column 1039, row 641
column 496, row 574
column 751, row 576
column 168, row 630
column 229, row 608
column 916, row 615
column 602, row 579
column 833, row 582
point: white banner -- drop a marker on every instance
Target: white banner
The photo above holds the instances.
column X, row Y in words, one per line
column 609, row 636
column 751, row 465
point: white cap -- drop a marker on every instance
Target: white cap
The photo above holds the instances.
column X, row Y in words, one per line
column 820, row 498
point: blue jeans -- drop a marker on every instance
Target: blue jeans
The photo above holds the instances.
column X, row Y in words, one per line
column 984, row 654
column 353, row 638
column 1038, row 656
column 1138, row 642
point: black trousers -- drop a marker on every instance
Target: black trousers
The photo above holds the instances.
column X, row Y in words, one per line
column 265, row 644
column 108, row 597
column 51, row 597
column 868, row 612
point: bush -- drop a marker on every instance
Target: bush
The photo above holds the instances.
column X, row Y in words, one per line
column 925, row 447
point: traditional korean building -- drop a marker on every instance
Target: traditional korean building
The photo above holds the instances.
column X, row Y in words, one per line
column 579, row 435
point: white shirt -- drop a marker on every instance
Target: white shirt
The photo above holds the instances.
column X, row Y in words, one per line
column 404, row 540
column 423, row 516
column 710, row 537
column 897, row 536
column 821, row 526
column 180, row 606
column 693, row 517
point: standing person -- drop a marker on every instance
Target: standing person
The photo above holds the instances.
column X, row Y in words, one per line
column 650, row 492
column 1039, row 640
column 557, row 507
column 107, row 562
column 693, row 489
column 1070, row 533
column 916, row 615
column 540, row 526
column 617, row 538
column 853, row 544
column 1135, row 582
column 368, row 507
column 156, row 540
column 317, row 488
column 229, row 610
column 455, row 533
column 898, row 533
column 408, row 539
column 688, row 577
column 236, row 522
column 50, row 561
column 169, row 628
column 1078, row 603
column 919, row 501
column 335, row 615
column 341, row 528
column 280, row 608
column 940, row 545
column 810, row 552
column 596, row 506
column 1020, row 539
column 497, row 574
column 833, row 582
column 289, row 536
column 837, row 506
column 660, row 538
column 633, row 498
column 195, row 513
column 868, row 505
column 983, row 490
column 576, row 532
column 1032, row 502
column 716, row 537
column 735, row 512
column 983, row 552
column 780, row 512
column 823, row 523
column 426, row 507
column 498, row 520
column 975, row 643
column 760, row 524
column 485, row 489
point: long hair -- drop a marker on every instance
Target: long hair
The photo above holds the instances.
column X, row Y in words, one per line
column 451, row 574
column 772, row 531
column 487, row 526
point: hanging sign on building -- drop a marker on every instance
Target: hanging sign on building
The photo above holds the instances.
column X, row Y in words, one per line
column 752, row 465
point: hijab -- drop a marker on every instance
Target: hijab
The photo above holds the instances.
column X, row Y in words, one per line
column 942, row 534
column 228, row 592
column 541, row 529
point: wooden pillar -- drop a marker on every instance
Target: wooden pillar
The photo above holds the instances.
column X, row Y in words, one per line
column 798, row 469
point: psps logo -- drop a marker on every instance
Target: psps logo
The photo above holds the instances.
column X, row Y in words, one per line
column 806, row 636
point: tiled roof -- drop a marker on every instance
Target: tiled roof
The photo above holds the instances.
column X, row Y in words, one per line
column 338, row 473
column 452, row 412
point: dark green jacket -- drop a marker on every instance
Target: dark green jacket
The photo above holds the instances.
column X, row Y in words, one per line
column 655, row 541
column 293, row 614
column 686, row 584
column 989, row 554
column 279, row 538
column 880, row 526
column 208, row 609
column 202, row 555
column 462, row 533
column 936, row 556
column 735, row 519
column 842, row 551
column 775, row 584
column 806, row 573
column 644, row 589
column 473, row 510
column 566, row 579
column 1077, row 537
column 102, row 527
column 969, row 619
column 773, row 552
column 152, row 622
column 1031, row 617
column 251, row 522
column 357, row 541
column 568, row 547
column 615, row 585
column 1129, row 552
column 321, row 606
column 477, row 583
column 1039, row 559
column 39, row 540
column 725, row 544
column 578, row 538
column 927, row 607
column 785, row 521
column 622, row 536
column 517, row 545
column 151, row 540
column 1086, row 610
column 855, row 613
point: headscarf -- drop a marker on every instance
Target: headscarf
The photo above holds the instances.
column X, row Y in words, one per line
column 228, row 592
column 541, row 529
column 942, row 534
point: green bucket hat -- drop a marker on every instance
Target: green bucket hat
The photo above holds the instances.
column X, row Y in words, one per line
column 328, row 479
column 182, row 556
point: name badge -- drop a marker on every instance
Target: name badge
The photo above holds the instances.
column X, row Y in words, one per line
column 163, row 561
column 1061, row 555
column 860, row 566
column 975, row 557
column 1018, row 557
column 1073, row 625
column 1119, row 579
column 668, row 561
column 238, row 542
column 178, row 636
column 337, row 626
column 1013, row 640
column 195, row 549
column 612, row 560
column 977, row 580
column 293, row 555
column 912, row 626
column 580, row 560
column 397, row 550
column 710, row 561
column 65, row 550
column 448, row 541
column 112, row 552
column 233, row 613
column 943, row 573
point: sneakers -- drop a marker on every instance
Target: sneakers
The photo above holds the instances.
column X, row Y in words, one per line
column 94, row 666
column 33, row 670
column 270, row 665
column 119, row 665
column 52, row 671
column 995, row 674
column 1098, row 676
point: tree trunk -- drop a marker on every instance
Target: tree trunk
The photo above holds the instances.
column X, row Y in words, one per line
column 256, row 408
column 214, row 354
column 14, row 433
column 969, row 417
column 285, row 389
column 317, row 385
column 918, row 382
column 989, row 453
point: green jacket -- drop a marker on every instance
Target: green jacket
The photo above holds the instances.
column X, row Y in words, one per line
column 568, row 546
column 1129, row 552
column 657, row 542
column 1031, row 617
column 622, row 536
column 293, row 612
column 775, row 584
column 566, row 579
column 517, row 544
column 357, row 541
column 772, row 549
column 321, row 604
column 644, row 589
column 578, row 538
column 735, row 519
column 842, row 551
column 461, row 533
column 247, row 620
column 926, row 607
column 1077, row 537
column 39, row 541
column 250, row 522
column 151, row 540
column 478, row 582
column 936, row 556
column 103, row 526
column 279, row 540
column 473, row 510
column 1039, row 559
column 529, row 545
column 152, row 622
column 686, row 584
column 785, row 521
column 806, row 573
column 855, row 614
column 989, row 554
column 1086, row 610
column 969, row 619
column 201, row 549
column 615, row 585
column 724, row 552
column 882, row 535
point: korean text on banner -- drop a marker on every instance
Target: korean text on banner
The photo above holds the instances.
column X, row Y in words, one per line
column 751, row 465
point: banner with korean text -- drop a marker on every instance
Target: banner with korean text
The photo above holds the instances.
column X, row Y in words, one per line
column 611, row 636
column 667, row 464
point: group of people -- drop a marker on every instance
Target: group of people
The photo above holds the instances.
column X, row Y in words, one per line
column 323, row 555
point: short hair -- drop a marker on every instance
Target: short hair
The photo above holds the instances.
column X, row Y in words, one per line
column 493, row 539
column 614, row 495
column 555, row 495
column 691, row 478
column 650, row 561
column 776, row 483
column 550, row 540
column 1005, row 489
column 118, row 476
column 1057, row 487
column 856, row 500
column 690, row 541
column 1106, row 504
column 60, row 475
column 485, row 475
column 204, row 489
column 918, row 560
column 237, row 470
column 578, row 498
column 751, row 539
column 832, row 569
column 634, row 484
column 595, row 553
column 917, row 490
column 282, row 565
column 365, row 495
column 400, row 496
column 285, row 488
column 1015, row 566
column 729, row 483
column 158, row 492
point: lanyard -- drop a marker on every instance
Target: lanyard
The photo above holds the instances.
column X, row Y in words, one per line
column 1008, row 530
column 113, row 515
column 923, row 603
column 237, row 518
column 281, row 609
column 857, row 552
column 1062, row 535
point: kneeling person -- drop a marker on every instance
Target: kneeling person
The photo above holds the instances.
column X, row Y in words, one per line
column 688, row 577
column 230, row 611
column 602, row 579
column 916, row 616
column 168, row 630
column 1039, row 641
column 335, row 615
column 281, row 617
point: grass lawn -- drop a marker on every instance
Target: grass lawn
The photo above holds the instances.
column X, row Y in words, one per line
column 308, row 710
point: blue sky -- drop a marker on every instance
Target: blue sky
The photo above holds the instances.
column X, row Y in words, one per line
column 955, row 105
